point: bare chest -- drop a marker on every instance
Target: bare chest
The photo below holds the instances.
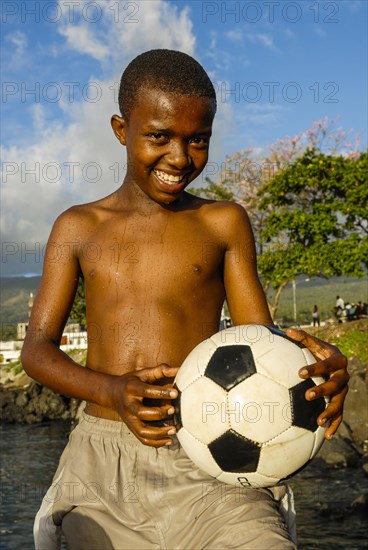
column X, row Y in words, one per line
column 137, row 256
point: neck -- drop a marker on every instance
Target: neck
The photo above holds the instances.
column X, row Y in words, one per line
column 133, row 196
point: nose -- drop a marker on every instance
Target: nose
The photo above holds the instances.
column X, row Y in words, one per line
column 178, row 156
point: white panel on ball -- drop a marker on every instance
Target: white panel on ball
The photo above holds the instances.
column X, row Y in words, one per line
column 319, row 438
column 287, row 453
column 240, row 334
column 309, row 357
column 204, row 418
column 198, row 453
column 195, row 364
column 256, row 408
column 280, row 360
column 253, row 479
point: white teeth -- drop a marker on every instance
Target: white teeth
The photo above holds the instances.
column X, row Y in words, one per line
column 168, row 178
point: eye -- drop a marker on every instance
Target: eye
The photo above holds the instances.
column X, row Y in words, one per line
column 200, row 141
column 157, row 137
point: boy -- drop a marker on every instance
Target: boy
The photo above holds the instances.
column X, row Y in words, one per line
column 166, row 261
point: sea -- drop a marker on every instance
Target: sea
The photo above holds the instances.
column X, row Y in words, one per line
column 329, row 502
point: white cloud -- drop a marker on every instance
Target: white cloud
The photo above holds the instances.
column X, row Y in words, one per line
column 258, row 113
column 19, row 42
column 121, row 33
column 235, row 35
column 82, row 39
column 16, row 49
column 38, row 116
column 264, row 39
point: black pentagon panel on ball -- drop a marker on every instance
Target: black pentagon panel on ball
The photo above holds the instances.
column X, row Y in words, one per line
column 305, row 413
column 230, row 365
column 177, row 406
column 235, row 453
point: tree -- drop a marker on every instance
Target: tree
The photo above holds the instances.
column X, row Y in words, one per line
column 78, row 311
column 214, row 191
column 245, row 176
column 318, row 219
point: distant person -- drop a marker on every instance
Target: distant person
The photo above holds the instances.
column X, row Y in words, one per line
column 350, row 311
column 339, row 308
column 359, row 311
column 315, row 316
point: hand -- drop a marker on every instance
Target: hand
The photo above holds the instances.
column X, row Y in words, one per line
column 129, row 394
column 332, row 365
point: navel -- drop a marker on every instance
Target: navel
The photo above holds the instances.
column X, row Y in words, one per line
column 196, row 269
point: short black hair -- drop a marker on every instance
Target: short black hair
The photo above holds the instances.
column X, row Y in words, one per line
column 167, row 70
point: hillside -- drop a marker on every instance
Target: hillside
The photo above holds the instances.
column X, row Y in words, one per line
column 14, row 297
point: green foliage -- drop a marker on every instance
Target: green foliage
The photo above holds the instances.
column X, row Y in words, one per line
column 317, row 224
column 353, row 343
column 78, row 311
column 8, row 331
column 14, row 368
column 214, row 191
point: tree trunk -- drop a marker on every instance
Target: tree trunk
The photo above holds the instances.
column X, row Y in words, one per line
column 275, row 304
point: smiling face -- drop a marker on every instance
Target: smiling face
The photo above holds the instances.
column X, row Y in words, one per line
column 167, row 140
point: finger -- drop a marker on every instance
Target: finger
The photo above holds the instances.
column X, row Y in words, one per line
column 159, row 392
column 326, row 369
column 156, row 373
column 333, row 386
column 152, row 436
column 332, row 428
column 154, row 413
column 333, row 412
column 319, row 348
column 140, row 389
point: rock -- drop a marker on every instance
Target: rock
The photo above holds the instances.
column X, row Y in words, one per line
column 339, row 452
column 360, row 502
column 358, row 506
column 335, row 459
column 22, row 399
column 356, row 407
column 35, row 403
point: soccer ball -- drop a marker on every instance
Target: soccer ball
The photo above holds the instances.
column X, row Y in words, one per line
column 241, row 412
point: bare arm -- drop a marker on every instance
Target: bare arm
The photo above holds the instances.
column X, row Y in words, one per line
column 41, row 357
column 245, row 297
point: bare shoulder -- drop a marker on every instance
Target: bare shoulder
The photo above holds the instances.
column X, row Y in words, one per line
column 81, row 219
column 228, row 217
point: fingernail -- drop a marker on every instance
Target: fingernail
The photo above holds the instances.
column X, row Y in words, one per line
column 171, row 410
column 168, row 443
column 329, row 436
column 312, row 395
column 322, row 421
column 304, row 372
column 171, row 432
column 173, row 393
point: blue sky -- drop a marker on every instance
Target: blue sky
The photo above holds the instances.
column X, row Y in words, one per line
column 277, row 66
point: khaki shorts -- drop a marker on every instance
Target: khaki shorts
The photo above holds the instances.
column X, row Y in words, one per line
column 112, row 492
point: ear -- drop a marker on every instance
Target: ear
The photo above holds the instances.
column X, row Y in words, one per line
column 119, row 126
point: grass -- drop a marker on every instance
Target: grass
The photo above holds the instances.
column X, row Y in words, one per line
column 353, row 343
